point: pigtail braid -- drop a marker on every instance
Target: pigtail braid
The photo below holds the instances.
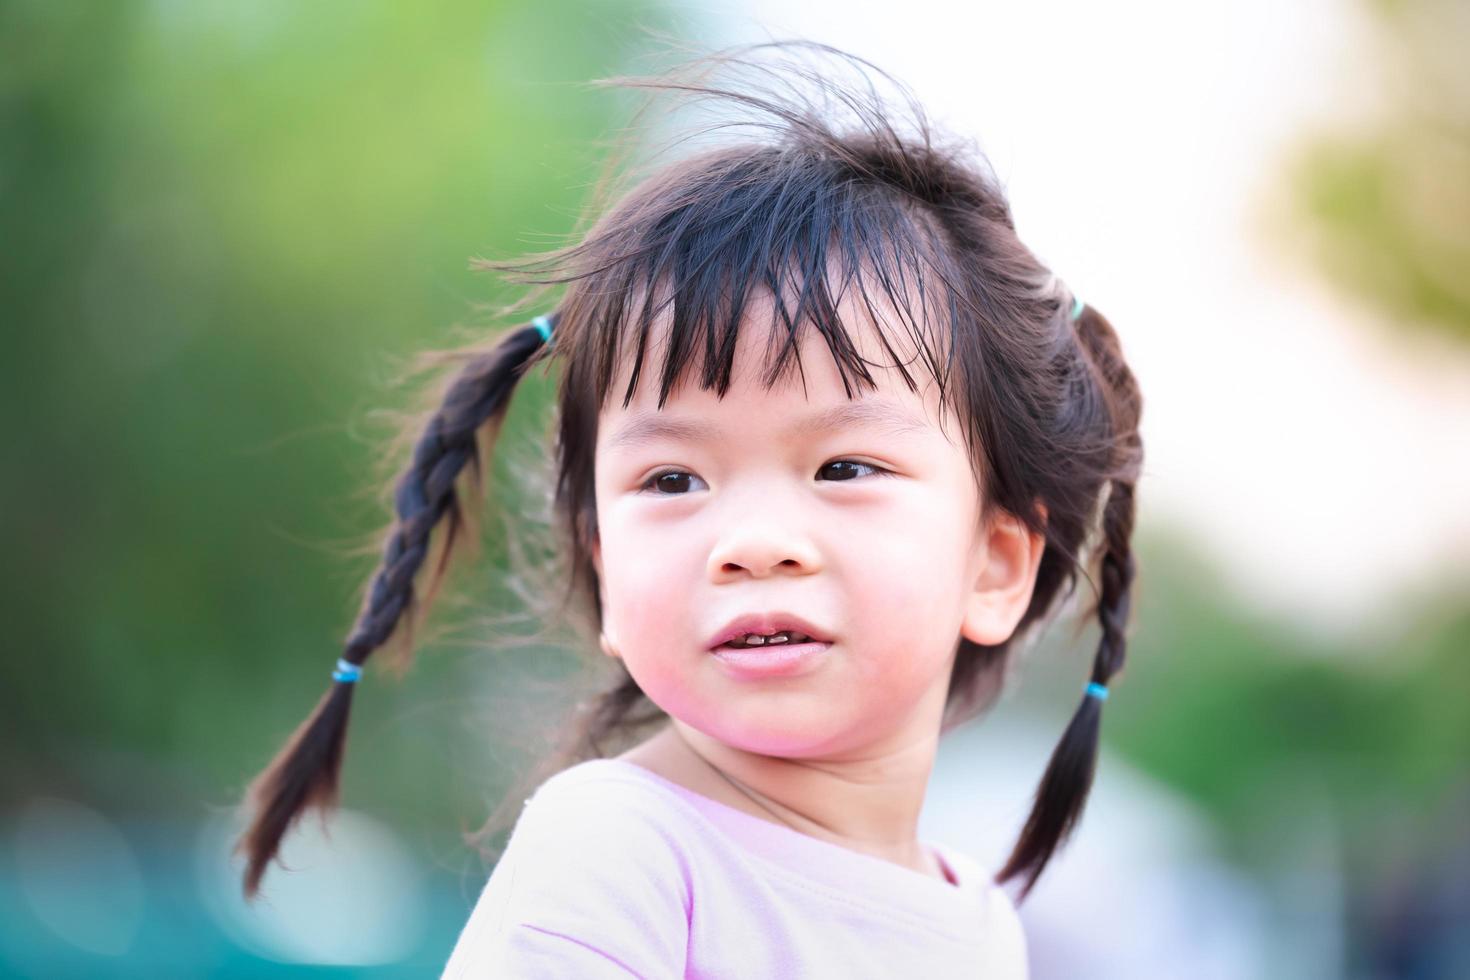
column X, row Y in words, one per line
column 1065, row 786
column 305, row 771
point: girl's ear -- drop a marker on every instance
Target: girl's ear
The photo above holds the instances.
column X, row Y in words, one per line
column 998, row 599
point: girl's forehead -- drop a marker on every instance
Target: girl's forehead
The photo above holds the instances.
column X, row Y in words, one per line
column 810, row 386
column 879, row 339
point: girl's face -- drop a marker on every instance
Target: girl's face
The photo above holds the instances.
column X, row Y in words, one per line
column 867, row 528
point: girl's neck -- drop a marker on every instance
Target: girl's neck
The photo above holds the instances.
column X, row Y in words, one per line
column 872, row 808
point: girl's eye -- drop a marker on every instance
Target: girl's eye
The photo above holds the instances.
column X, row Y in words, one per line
column 675, row 482
column 877, row 470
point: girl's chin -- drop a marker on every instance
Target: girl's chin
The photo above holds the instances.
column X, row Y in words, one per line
column 773, row 734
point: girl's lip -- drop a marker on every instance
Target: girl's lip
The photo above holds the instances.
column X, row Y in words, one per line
column 780, row 660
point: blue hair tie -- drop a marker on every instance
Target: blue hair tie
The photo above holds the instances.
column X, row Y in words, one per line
column 1077, row 305
column 543, row 324
column 1096, row 690
column 346, row 672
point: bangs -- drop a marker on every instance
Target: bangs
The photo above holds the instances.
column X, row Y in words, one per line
column 765, row 228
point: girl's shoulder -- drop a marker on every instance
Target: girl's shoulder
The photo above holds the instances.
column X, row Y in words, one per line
column 592, row 877
column 1007, row 936
column 600, row 790
column 598, row 807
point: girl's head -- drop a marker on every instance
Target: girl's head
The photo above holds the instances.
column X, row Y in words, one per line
column 813, row 373
column 848, row 500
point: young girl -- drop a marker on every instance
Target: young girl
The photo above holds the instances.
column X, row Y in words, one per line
column 832, row 441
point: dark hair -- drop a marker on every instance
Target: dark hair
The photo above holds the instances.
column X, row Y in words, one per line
column 1048, row 406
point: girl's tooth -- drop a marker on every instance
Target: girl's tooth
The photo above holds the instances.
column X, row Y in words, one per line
column 785, row 636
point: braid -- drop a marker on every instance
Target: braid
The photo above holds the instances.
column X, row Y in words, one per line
column 306, row 770
column 1065, row 786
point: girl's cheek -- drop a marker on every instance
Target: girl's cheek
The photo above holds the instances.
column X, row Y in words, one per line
column 648, row 595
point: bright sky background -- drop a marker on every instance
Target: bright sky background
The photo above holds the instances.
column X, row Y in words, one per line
column 1319, row 456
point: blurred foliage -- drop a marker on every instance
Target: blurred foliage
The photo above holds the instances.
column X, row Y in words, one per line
column 1255, row 718
column 1384, row 203
column 222, row 224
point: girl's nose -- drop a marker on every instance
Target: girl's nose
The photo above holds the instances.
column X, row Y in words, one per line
column 759, row 549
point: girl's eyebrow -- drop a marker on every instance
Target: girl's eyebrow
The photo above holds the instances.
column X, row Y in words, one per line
column 647, row 426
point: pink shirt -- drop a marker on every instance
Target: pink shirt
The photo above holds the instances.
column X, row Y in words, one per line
column 613, row 872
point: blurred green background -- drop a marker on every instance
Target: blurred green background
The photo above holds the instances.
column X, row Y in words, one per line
column 220, row 222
